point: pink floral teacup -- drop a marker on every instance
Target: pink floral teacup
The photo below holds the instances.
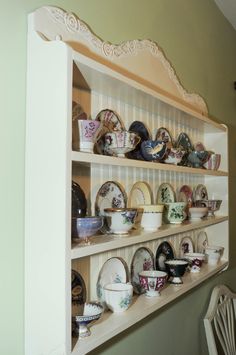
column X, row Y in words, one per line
column 88, row 133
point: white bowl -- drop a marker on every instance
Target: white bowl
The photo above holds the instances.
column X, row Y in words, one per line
column 151, row 217
column 118, row 296
column 120, row 220
column 197, row 212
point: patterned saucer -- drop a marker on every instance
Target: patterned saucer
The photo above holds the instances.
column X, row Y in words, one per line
column 186, row 246
column 200, row 193
column 164, row 135
column 114, row 270
column 202, row 242
column 143, row 259
column 165, row 194
column 78, row 293
column 140, row 194
column 186, row 195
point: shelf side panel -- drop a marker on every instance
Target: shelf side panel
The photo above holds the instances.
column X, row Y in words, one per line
column 47, row 198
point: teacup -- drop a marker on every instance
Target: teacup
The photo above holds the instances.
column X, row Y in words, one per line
column 151, row 217
column 118, row 296
column 88, row 133
column 175, row 212
column 120, row 220
column 152, row 281
column 213, row 162
column 196, row 260
column 121, row 142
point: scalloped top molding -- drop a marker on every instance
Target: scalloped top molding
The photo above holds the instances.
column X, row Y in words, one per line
column 143, row 58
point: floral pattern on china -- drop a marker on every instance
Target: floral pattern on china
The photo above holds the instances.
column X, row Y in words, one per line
column 143, row 260
column 165, row 193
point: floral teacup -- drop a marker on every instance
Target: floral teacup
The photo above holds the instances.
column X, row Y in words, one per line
column 175, row 212
column 88, row 133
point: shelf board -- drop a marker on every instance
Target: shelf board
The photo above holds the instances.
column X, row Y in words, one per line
column 102, row 243
column 111, row 324
column 87, row 159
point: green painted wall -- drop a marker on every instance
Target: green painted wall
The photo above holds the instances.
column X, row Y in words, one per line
column 201, row 45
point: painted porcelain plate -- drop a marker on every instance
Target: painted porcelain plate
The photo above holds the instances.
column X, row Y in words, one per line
column 164, row 135
column 111, row 122
column 114, row 270
column 200, row 193
column 78, row 293
column 202, row 242
column 186, row 246
column 164, row 252
column 140, row 194
column 184, row 141
column 143, row 259
column 110, row 195
column 186, row 195
column 165, row 193
column 143, row 132
column 153, row 150
column 78, row 201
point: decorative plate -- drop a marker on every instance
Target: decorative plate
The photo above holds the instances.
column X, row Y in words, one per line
column 143, row 259
column 79, row 202
column 140, row 194
column 78, row 293
column 143, row 132
column 164, row 252
column 111, row 122
column 202, row 242
column 200, row 193
column 184, row 142
column 165, row 193
column 164, row 135
column 114, row 270
column 110, row 195
column 153, row 150
column 186, row 246
column 186, row 195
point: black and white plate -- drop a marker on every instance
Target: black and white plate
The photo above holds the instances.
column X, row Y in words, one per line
column 164, row 252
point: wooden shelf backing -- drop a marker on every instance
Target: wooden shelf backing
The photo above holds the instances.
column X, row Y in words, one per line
column 86, row 158
column 111, row 324
column 102, row 243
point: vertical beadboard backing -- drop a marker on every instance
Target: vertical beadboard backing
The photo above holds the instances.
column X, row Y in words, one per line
column 127, row 253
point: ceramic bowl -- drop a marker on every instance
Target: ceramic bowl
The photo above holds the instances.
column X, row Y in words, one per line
column 88, row 133
column 175, row 212
column 196, row 260
column 213, row 254
column 120, row 220
column 121, row 142
column 92, row 312
column 118, row 296
column 198, row 158
column 212, row 205
column 84, row 227
column 197, row 212
column 152, row 281
column 151, row 218
column 174, row 156
column 153, row 150
column 176, row 269
column 213, row 162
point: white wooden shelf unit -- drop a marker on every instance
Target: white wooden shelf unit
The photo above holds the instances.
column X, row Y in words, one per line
column 66, row 63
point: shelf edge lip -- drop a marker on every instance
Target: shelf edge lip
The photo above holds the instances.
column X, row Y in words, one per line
column 81, row 350
column 88, row 158
column 79, row 252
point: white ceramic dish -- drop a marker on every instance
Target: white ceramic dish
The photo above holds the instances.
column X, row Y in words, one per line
column 202, row 242
column 118, row 296
column 120, row 220
column 114, row 270
column 140, row 194
column 151, row 217
column 197, row 212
